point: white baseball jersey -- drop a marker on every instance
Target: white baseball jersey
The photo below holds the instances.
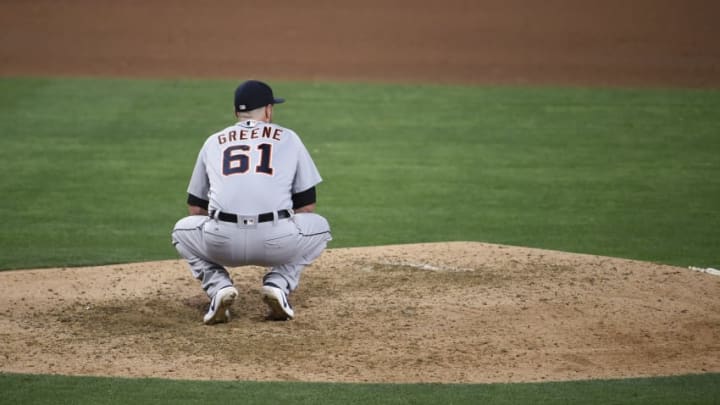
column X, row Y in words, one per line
column 251, row 168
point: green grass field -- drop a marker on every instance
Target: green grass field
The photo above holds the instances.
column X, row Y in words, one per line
column 689, row 389
column 95, row 171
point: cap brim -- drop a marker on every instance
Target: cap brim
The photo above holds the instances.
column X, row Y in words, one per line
column 278, row 100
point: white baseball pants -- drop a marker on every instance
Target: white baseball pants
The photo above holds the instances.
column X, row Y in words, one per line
column 286, row 245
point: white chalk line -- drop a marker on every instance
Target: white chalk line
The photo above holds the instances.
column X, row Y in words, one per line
column 423, row 266
column 709, row 270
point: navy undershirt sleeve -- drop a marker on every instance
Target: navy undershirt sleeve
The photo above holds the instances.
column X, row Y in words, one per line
column 304, row 198
column 197, row 201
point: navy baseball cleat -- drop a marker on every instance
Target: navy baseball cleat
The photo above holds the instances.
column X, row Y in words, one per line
column 276, row 300
column 219, row 311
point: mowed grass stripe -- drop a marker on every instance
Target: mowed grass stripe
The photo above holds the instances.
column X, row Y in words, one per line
column 44, row 389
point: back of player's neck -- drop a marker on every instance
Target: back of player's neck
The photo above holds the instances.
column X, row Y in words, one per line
column 248, row 122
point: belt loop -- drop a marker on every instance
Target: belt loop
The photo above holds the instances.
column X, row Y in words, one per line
column 275, row 218
column 214, row 214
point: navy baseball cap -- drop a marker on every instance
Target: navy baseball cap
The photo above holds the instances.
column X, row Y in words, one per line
column 254, row 94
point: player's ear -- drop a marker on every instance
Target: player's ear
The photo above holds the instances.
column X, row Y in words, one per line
column 268, row 112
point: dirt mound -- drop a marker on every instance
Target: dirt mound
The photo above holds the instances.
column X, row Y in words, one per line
column 447, row 312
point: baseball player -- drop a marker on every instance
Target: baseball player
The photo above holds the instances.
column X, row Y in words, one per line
column 251, row 200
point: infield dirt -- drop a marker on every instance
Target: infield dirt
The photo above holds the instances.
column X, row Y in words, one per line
column 444, row 312
column 447, row 312
column 612, row 42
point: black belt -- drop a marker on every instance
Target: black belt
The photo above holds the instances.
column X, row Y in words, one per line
column 266, row 217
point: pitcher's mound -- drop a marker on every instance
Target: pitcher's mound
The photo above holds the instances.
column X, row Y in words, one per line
column 445, row 312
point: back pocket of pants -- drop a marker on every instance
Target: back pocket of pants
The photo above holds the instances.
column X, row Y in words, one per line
column 281, row 248
column 213, row 236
